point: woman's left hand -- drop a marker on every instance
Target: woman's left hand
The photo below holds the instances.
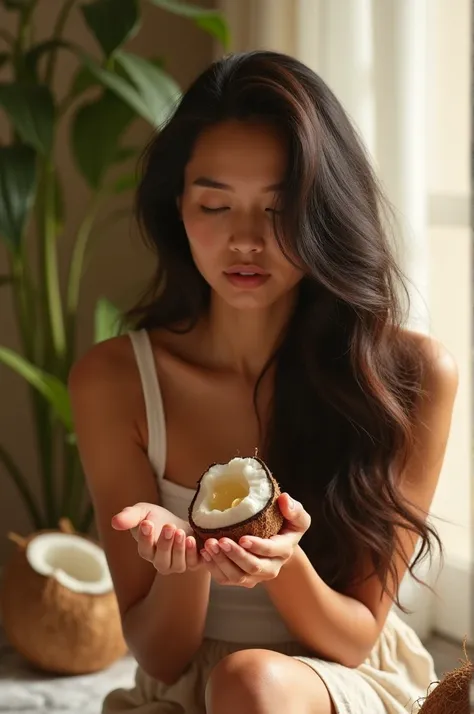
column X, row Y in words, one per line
column 253, row 560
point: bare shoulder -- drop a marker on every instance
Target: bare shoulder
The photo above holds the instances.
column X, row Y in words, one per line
column 104, row 385
column 103, row 363
column 440, row 373
column 433, row 420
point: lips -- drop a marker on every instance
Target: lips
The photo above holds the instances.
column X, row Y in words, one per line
column 246, row 270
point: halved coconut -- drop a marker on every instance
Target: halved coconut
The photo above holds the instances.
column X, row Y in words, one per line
column 236, row 499
column 59, row 608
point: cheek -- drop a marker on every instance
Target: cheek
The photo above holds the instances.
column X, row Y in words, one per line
column 200, row 230
column 200, row 240
column 288, row 271
column 293, row 276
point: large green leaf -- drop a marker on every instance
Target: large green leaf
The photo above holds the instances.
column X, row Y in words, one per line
column 152, row 90
column 113, row 22
column 157, row 88
column 124, row 153
column 210, row 21
column 96, row 131
column 31, row 111
column 82, row 80
column 120, row 86
column 107, row 320
column 51, row 388
column 128, row 182
column 17, row 191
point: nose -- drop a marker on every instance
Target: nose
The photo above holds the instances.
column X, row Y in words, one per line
column 247, row 237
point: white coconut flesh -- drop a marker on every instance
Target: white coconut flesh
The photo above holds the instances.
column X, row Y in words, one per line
column 231, row 493
column 76, row 563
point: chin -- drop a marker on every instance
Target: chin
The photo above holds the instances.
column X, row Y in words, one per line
column 251, row 300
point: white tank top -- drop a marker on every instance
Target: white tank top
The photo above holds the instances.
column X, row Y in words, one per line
column 234, row 614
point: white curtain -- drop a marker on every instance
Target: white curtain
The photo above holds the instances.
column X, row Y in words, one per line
column 374, row 56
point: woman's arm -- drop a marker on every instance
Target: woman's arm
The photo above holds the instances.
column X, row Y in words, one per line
column 165, row 628
column 334, row 626
column 163, row 616
column 344, row 628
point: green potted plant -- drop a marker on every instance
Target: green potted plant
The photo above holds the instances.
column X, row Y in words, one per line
column 125, row 87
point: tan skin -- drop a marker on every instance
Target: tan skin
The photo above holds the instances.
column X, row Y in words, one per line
column 207, row 377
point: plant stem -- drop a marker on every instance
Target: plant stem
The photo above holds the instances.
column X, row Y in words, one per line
column 23, row 37
column 57, row 33
column 29, row 322
column 28, row 325
column 50, row 270
column 53, row 348
column 76, row 269
column 22, row 302
column 22, row 486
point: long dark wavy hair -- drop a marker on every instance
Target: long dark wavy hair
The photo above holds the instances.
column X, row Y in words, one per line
column 347, row 379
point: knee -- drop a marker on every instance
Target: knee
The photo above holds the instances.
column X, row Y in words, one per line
column 249, row 681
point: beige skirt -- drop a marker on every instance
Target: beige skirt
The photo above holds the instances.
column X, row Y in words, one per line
column 394, row 679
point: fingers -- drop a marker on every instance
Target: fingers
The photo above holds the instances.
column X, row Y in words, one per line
column 279, row 546
column 170, row 551
column 221, row 568
column 146, row 540
column 227, row 559
column 192, row 555
column 245, row 561
column 130, row 516
column 164, row 546
column 178, row 553
column 294, row 512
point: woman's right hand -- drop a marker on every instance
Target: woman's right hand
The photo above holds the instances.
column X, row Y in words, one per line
column 163, row 539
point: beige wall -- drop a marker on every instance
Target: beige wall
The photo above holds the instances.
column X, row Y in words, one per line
column 451, row 302
column 120, row 264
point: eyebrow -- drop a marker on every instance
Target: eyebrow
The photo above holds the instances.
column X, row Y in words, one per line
column 206, row 182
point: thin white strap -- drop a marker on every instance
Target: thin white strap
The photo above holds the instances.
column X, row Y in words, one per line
column 155, row 413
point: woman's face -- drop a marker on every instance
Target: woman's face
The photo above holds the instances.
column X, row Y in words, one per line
column 232, row 186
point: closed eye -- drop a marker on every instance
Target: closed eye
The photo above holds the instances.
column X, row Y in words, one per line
column 206, row 209
column 221, row 209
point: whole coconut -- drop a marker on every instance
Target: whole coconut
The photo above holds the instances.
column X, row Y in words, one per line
column 58, row 605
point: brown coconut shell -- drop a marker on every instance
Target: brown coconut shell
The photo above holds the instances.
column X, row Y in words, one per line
column 263, row 524
column 52, row 627
column 452, row 694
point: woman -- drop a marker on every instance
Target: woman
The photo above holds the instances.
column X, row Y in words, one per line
column 273, row 322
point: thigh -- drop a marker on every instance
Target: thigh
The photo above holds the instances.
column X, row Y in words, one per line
column 353, row 693
column 260, row 680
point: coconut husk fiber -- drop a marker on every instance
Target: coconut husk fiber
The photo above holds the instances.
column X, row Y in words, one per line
column 53, row 628
column 452, row 694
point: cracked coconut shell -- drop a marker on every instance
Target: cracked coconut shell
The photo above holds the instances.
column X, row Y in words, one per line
column 236, row 499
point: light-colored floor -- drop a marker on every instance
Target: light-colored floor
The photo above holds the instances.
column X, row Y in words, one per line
column 22, row 689
column 446, row 654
